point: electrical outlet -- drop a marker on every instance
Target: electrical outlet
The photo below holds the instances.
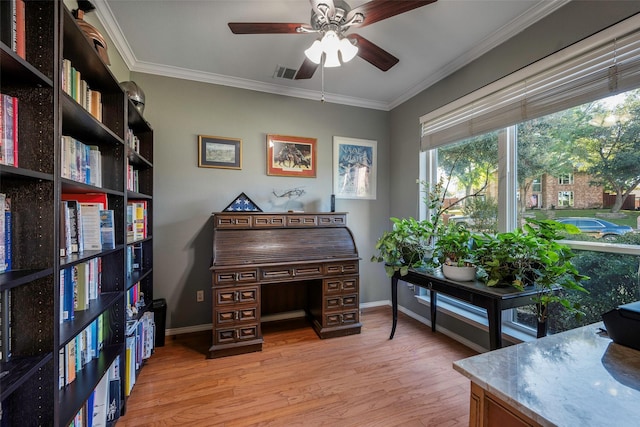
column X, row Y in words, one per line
column 199, row 296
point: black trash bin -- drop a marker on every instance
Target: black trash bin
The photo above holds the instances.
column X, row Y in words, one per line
column 159, row 308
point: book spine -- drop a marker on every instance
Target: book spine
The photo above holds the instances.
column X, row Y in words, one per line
column 20, row 29
column 107, row 230
column 15, row 129
column 8, row 239
column 3, row 248
column 7, row 130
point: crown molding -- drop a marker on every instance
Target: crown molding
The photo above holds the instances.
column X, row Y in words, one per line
column 534, row 14
column 113, row 30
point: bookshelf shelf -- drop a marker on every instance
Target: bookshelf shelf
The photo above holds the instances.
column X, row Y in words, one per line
column 16, row 72
column 19, row 368
column 38, row 342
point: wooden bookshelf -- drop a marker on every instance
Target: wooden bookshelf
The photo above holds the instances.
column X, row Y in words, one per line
column 31, row 300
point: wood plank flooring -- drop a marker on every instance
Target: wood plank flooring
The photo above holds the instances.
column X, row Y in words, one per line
column 300, row 380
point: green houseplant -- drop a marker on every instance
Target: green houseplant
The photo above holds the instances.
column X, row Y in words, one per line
column 531, row 256
column 407, row 245
column 454, row 249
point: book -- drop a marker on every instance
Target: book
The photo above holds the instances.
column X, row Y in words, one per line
column 64, row 232
column 114, row 402
column 15, row 130
column 68, row 301
column 8, row 120
column 90, row 220
column 72, row 227
column 70, row 363
column 82, row 286
column 8, row 231
column 138, row 219
column 100, row 399
column 3, row 198
column 107, row 229
column 95, row 166
column 20, row 29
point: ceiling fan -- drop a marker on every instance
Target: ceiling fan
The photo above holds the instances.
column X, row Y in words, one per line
column 332, row 19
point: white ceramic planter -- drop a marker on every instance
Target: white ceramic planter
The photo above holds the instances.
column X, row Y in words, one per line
column 461, row 274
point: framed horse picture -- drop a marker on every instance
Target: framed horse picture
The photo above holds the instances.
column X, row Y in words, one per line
column 291, row 156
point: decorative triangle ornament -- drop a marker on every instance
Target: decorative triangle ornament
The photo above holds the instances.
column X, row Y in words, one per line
column 242, row 203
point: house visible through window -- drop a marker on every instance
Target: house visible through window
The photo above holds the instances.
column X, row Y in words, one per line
column 565, row 199
column 565, row 179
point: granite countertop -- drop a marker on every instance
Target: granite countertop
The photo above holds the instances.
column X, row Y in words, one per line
column 575, row 378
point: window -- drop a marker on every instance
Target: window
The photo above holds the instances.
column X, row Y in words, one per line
column 570, row 116
column 565, row 199
column 536, row 185
column 565, row 179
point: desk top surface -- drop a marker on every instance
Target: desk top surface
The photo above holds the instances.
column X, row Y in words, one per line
column 575, row 378
column 422, row 278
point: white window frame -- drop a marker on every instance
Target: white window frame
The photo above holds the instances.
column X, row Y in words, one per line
column 565, row 179
column 561, row 198
column 605, row 63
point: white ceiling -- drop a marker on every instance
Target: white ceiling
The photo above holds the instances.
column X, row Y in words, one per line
column 190, row 39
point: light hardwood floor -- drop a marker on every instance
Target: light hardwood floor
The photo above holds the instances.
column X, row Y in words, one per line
column 300, row 380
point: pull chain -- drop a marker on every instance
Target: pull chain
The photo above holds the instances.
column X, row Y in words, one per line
column 322, row 76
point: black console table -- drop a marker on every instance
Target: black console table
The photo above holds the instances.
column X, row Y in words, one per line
column 493, row 299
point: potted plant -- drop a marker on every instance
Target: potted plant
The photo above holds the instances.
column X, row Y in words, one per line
column 407, row 245
column 454, row 250
column 531, row 256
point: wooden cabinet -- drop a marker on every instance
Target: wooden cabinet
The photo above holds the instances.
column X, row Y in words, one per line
column 319, row 253
column 488, row 410
column 32, row 385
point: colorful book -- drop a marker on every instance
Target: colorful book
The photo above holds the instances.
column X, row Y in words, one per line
column 107, row 229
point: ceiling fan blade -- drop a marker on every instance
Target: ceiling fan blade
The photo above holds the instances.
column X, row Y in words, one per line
column 377, row 10
column 373, row 54
column 306, row 70
column 266, row 28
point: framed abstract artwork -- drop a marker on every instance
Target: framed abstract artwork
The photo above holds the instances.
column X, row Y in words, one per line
column 219, row 152
column 291, row 156
column 354, row 168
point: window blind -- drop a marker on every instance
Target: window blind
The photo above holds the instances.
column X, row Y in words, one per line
column 601, row 65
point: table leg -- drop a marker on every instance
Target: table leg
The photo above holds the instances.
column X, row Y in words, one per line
column 394, row 304
column 433, row 306
column 494, row 313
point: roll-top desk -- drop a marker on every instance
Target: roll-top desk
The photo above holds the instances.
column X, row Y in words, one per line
column 260, row 258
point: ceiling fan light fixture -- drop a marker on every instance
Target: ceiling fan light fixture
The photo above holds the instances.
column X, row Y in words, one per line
column 330, row 42
column 331, row 59
column 314, row 52
column 347, row 50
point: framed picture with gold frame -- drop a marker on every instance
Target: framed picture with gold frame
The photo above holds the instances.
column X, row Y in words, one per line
column 291, row 156
column 219, row 152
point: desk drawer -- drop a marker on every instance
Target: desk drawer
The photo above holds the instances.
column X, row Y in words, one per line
column 346, row 267
column 339, row 319
column 338, row 220
column 340, row 285
column 266, row 221
column 341, row 302
column 241, row 333
column 302, row 220
column 234, row 277
column 233, row 221
column 291, row 272
column 231, row 316
column 244, row 295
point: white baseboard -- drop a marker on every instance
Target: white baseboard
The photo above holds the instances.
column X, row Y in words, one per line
column 301, row 313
